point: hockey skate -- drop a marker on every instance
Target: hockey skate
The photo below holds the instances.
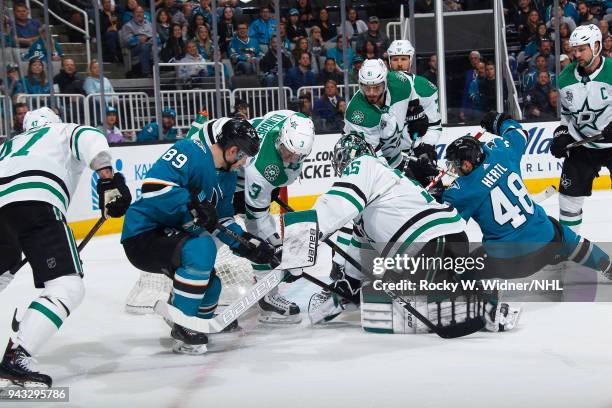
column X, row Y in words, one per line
column 17, row 369
column 188, row 341
column 502, row 317
column 278, row 310
column 325, row 305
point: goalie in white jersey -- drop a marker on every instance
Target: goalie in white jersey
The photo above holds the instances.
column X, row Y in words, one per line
column 40, row 170
column 392, row 215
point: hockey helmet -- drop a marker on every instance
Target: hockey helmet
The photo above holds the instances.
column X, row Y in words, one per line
column 297, row 135
column 348, row 148
column 40, row 117
column 465, row 148
column 239, row 132
column 373, row 78
column 400, row 47
column 587, row 34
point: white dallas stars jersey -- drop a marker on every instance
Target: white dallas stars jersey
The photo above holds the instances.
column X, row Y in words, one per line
column 427, row 95
column 586, row 102
column 390, row 211
column 46, row 162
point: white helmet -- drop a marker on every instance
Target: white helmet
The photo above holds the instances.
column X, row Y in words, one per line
column 297, row 135
column 373, row 72
column 587, row 34
column 400, row 47
column 40, row 117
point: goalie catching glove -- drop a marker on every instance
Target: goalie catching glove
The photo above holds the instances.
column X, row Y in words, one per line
column 257, row 250
column 114, row 196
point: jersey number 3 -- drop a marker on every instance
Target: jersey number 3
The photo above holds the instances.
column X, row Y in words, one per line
column 503, row 209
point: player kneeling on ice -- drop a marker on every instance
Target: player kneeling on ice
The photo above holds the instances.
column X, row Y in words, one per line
column 40, row 170
column 172, row 229
column 519, row 238
column 287, row 138
column 393, row 215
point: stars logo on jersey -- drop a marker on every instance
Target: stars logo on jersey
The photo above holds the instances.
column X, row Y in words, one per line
column 569, row 96
column 357, row 117
column 586, row 117
column 271, row 172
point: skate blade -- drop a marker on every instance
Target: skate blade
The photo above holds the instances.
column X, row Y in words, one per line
column 14, row 383
column 276, row 319
column 190, row 349
column 139, row 310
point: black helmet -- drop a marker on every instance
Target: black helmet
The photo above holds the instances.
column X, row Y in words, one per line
column 239, row 132
column 348, row 148
column 465, row 148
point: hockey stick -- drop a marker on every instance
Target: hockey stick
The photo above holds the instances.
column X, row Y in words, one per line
column 80, row 247
column 584, row 141
column 447, row 332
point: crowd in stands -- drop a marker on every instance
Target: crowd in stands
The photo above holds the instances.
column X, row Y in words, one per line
column 311, row 40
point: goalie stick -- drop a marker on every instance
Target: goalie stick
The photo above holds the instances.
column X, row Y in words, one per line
column 455, row 330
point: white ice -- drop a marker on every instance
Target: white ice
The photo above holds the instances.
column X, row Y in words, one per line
column 560, row 356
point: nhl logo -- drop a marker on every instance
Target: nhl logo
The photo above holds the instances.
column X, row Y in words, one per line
column 357, row 117
column 51, row 263
column 566, row 182
column 271, row 172
column 569, row 96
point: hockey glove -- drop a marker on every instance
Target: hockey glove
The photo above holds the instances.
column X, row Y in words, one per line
column 492, row 121
column 607, row 133
column 417, row 121
column 114, row 196
column 256, row 250
column 561, row 138
column 424, row 167
column 204, row 214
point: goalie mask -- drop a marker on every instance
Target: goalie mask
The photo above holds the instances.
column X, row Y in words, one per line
column 466, row 148
column 40, row 117
column 348, row 148
column 295, row 140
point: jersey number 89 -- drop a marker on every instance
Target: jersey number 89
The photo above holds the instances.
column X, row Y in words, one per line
column 177, row 160
column 503, row 210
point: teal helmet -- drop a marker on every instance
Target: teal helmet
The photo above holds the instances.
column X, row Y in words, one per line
column 348, row 148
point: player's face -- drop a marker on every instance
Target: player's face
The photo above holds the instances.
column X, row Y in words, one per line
column 287, row 156
column 400, row 63
column 234, row 158
column 583, row 54
column 373, row 93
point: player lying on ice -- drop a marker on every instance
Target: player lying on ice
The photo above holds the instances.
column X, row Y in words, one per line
column 169, row 231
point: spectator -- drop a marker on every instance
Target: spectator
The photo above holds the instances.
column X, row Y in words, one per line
column 20, row 110
column 192, row 74
column 26, row 28
column 36, row 79
column 537, row 98
column 375, row 35
column 487, row 88
column 531, row 48
column 424, row 6
column 305, row 105
column 432, row 69
column 530, row 28
column 549, row 112
column 285, row 42
column 470, row 76
column 174, row 48
column 520, row 14
column 241, row 110
column 68, row 80
column 137, row 34
column 197, row 22
column 301, row 75
column 38, row 49
column 474, row 88
column 306, row 14
column 263, row 28
column 564, row 61
column 12, row 85
column 92, row 83
column 336, row 54
column 204, row 43
column 571, row 24
column 163, row 26
column 7, row 32
column 328, row 30
column 564, row 32
column 531, row 77
column 183, row 16
column 569, row 10
column 546, row 51
column 584, row 15
column 566, row 49
column 354, row 74
column 109, row 27
column 369, row 50
column 151, row 132
column 326, row 107
column 109, row 128
column 295, row 29
column 171, row 8
column 226, row 29
column 604, row 27
column 205, row 10
column 352, row 27
column 128, row 14
column 268, row 64
column 234, row 5
column 330, row 72
column 607, row 46
column 300, row 46
column 317, row 44
column 244, row 51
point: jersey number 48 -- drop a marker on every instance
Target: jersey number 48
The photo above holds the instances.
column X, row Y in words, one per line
column 503, row 209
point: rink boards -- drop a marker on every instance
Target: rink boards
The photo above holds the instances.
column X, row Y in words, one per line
column 539, row 168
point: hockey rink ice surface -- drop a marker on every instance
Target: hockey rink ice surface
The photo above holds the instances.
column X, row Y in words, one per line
column 559, row 356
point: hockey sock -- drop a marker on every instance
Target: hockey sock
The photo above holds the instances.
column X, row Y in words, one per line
column 211, row 298
column 582, row 251
column 570, row 212
column 47, row 313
